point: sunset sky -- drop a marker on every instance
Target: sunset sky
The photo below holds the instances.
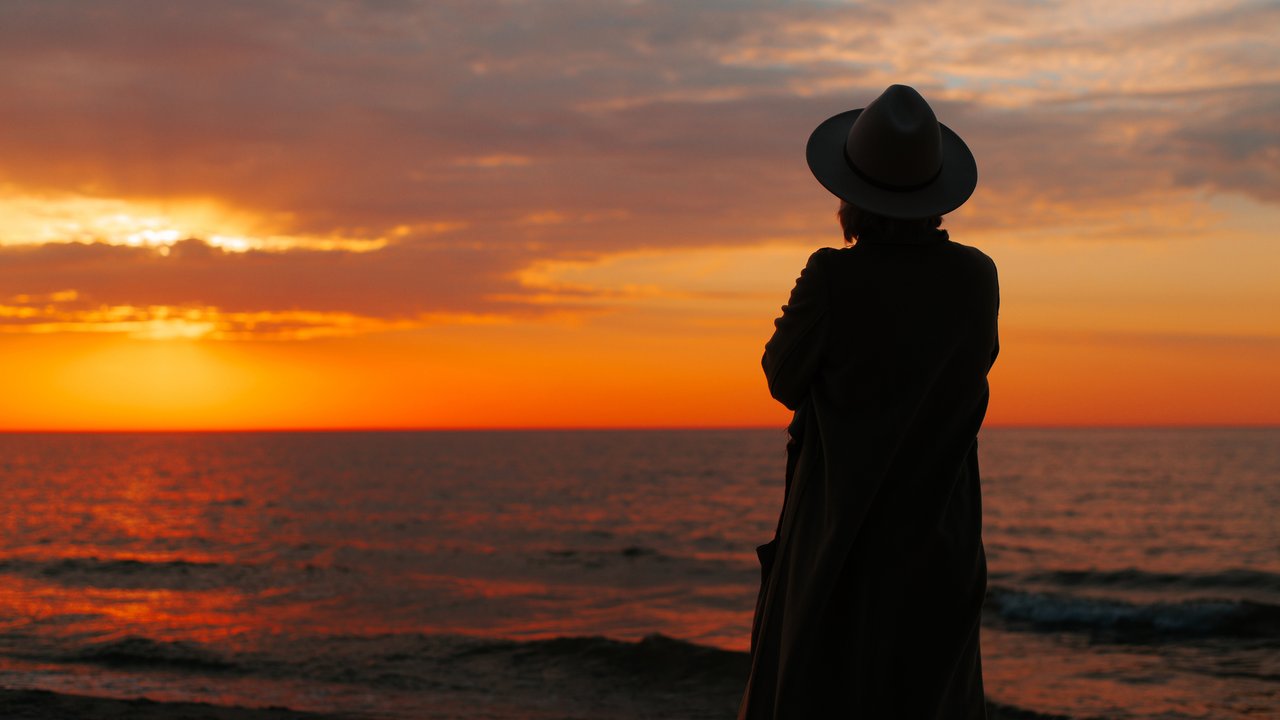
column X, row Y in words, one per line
column 566, row 213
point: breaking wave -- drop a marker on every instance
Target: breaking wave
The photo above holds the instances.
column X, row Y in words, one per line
column 1120, row 621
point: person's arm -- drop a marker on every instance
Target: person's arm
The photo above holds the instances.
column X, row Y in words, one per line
column 792, row 356
column 995, row 350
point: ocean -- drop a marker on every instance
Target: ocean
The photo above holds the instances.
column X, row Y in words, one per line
column 602, row 574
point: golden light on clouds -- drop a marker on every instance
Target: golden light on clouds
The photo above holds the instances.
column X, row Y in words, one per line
column 160, row 322
column 573, row 213
column 30, row 220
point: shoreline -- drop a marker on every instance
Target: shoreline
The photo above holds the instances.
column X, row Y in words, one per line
column 50, row 705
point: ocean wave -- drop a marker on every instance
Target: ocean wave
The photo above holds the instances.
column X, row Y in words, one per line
column 654, row 659
column 1131, row 578
column 702, row 681
column 143, row 652
column 1120, row 621
column 601, row 558
column 409, row 661
column 641, row 561
column 135, row 573
column 86, row 565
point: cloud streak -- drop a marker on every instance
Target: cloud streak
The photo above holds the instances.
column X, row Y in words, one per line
column 295, row 294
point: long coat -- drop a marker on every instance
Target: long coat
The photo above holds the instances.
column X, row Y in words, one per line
column 873, row 585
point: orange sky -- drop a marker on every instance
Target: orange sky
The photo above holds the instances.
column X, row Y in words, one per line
column 482, row 214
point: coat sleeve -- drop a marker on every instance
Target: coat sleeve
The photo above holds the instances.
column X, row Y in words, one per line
column 792, row 356
column 995, row 350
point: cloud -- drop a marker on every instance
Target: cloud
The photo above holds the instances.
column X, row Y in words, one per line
column 277, row 295
column 468, row 140
column 163, row 322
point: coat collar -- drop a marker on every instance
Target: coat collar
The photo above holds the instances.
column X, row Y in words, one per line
column 922, row 236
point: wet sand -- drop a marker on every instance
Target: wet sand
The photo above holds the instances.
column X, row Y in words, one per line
column 44, row 705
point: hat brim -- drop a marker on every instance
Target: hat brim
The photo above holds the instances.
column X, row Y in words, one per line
column 948, row 191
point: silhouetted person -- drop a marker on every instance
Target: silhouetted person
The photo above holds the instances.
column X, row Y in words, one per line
column 873, row 585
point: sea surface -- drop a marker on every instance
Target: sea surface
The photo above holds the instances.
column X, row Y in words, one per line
column 602, row 574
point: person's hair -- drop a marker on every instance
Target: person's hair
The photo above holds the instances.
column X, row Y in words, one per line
column 857, row 223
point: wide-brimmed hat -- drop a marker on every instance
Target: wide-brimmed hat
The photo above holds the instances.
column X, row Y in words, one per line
column 893, row 158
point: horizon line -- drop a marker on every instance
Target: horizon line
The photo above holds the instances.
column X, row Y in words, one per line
column 594, row 428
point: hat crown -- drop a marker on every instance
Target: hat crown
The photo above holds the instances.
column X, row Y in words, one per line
column 896, row 142
column 893, row 158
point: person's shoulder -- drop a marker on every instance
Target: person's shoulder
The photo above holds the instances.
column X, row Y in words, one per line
column 973, row 254
column 823, row 254
column 821, row 257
